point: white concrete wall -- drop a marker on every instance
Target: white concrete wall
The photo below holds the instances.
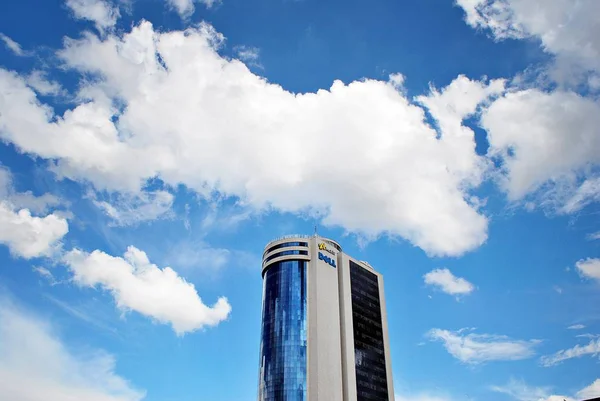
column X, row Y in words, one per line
column 324, row 341
column 347, row 332
column 386, row 340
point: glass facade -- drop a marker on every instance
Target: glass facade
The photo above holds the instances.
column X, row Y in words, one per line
column 371, row 378
column 285, row 245
column 283, row 341
column 286, row 253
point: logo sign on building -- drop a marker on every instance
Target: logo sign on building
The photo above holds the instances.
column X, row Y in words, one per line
column 326, row 259
column 323, row 247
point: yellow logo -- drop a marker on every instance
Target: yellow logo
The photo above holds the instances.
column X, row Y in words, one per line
column 322, row 246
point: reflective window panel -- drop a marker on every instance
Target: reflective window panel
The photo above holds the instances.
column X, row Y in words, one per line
column 282, row 374
column 371, row 378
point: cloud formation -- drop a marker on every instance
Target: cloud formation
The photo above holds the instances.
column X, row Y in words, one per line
column 560, row 145
column 29, row 236
column 519, row 390
column 35, row 365
column 568, row 30
column 102, row 13
column 474, row 348
column 24, row 200
column 25, row 235
column 185, row 8
column 130, row 210
column 593, row 348
column 589, row 268
column 138, row 285
column 360, row 155
column 589, row 392
column 12, row 45
column 448, row 282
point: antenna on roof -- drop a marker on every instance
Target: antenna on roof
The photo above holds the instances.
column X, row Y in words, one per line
column 316, row 230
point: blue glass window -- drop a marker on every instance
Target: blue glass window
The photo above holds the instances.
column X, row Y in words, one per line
column 371, row 376
column 285, row 245
column 285, row 253
column 282, row 374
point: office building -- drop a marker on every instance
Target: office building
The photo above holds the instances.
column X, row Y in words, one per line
column 324, row 325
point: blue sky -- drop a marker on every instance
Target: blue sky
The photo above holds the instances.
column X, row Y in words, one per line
column 150, row 149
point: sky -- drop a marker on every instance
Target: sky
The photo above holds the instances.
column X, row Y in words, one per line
column 150, row 149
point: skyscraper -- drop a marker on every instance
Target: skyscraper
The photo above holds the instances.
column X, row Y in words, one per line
column 324, row 325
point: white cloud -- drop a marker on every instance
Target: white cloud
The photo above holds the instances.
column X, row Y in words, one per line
column 360, row 155
column 127, row 210
column 594, row 236
column 12, row 45
column 447, row 282
column 138, row 285
column 24, row 200
column 185, row 8
column 424, row 396
column 546, row 140
column 591, row 391
column 102, row 13
column 519, row 390
column 593, row 348
column 478, row 348
column 589, row 268
column 28, row 236
column 567, row 29
column 249, row 55
column 587, row 193
column 457, row 101
column 35, row 365
column 576, row 327
column 192, row 255
column 38, row 81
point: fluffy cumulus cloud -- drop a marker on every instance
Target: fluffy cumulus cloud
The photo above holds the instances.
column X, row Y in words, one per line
column 24, row 234
column 35, row 365
column 102, row 13
column 29, row 236
column 592, row 348
column 475, row 348
column 138, row 285
column 589, row 268
column 359, row 155
column 448, row 282
column 546, row 141
column 568, row 29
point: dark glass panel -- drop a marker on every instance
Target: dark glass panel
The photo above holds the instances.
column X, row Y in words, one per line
column 371, row 378
column 285, row 253
column 282, row 375
column 285, row 245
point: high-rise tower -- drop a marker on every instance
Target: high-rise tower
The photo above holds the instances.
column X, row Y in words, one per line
column 324, row 325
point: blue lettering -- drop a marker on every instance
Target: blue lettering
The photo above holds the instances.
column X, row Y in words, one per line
column 327, row 259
